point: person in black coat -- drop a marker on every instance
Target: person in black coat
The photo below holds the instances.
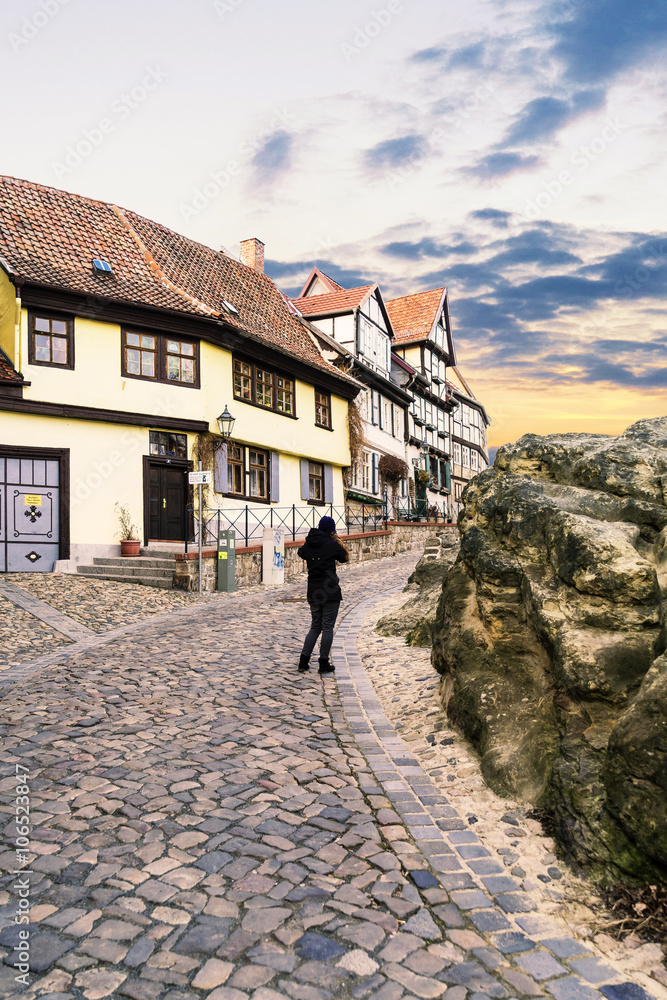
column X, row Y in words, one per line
column 321, row 551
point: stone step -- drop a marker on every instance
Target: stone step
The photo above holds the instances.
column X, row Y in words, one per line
column 163, row 562
column 162, row 583
column 129, row 572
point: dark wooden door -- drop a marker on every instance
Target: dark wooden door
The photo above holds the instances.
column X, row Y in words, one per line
column 167, row 491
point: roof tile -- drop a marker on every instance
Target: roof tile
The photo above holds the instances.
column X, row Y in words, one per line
column 413, row 316
column 50, row 237
column 340, row 301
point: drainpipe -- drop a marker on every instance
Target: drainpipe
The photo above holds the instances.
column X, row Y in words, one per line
column 17, row 331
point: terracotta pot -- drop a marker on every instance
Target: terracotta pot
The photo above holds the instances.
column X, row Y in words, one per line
column 130, row 547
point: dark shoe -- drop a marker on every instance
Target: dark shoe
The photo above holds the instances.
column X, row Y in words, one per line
column 304, row 663
column 325, row 666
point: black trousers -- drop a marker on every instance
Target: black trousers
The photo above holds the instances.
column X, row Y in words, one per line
column 323, row 619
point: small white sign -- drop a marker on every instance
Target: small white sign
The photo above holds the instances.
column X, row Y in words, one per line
column 195, row 478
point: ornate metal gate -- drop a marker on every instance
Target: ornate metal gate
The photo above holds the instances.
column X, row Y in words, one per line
column 29, row 513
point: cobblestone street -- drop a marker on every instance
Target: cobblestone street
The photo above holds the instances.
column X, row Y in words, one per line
column 207, row 822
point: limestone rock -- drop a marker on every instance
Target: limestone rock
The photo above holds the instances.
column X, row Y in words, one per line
column 415, row 618
column 550, row 632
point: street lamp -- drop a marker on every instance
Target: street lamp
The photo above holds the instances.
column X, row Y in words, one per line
column 226, row 424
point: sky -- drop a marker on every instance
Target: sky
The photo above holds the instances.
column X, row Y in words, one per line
column 511, row 150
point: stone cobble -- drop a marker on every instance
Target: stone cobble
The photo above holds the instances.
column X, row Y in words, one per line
column 22, row 636
column 208, row 822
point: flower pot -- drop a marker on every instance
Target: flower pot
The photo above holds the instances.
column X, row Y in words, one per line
column 130, row 547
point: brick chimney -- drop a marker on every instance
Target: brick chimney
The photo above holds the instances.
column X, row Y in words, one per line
column 252, row 253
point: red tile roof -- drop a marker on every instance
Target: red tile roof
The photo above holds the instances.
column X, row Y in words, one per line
column 50, row 237
column 7, row 371
column 343, row 300
column 413, row 316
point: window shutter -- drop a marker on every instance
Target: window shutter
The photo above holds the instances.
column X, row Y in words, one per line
column 376, row 478
column 375, row 407
column 220, row 468
column 448, row 476
column 328, row 483
column 275, row 477
column 305, row 484
column 380, row 413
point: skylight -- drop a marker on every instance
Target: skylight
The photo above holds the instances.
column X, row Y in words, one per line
column 229, row 307
column 101, row 266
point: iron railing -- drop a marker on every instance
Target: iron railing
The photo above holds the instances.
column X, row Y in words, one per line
column 249, row 522
column 420, row 510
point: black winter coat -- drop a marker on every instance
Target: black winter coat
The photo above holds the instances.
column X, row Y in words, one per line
column 321, row 553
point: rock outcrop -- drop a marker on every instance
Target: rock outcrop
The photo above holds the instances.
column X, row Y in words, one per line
column 416, row 617
column 550, row 634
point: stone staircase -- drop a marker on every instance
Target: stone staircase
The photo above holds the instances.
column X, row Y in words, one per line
column 153, row 568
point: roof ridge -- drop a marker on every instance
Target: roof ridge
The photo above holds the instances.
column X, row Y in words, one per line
column 155, row 267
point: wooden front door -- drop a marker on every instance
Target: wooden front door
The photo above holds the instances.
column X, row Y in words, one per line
column 167, row 491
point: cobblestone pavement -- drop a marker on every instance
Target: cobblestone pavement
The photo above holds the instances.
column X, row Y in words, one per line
column 209, row 823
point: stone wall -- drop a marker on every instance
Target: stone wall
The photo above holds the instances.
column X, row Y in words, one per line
column 400, row 536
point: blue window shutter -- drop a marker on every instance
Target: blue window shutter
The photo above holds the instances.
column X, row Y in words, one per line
column 376, row 478
column 328, row 483
column 275, row 477
column 305, row 483
column 220, row 469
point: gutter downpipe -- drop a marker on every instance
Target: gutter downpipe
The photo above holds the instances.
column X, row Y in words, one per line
column 17, row 331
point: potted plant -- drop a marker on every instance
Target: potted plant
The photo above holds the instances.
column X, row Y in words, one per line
column 130, row 545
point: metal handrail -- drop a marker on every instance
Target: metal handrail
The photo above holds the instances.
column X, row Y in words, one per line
column 249, row 522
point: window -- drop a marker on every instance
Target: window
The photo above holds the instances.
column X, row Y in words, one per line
column 236, row 470
column 161, row 443
column 140, row 355
column 458, row 489
column 247, row 472
column 180, row 361
column 457, row 453
column 51, row 342
column 466, row 457
column 322, row 409
column 263, row 387
column 366, row 471
column 257, row 475
column 154, row 356
column 386, row 415
column 316, row 482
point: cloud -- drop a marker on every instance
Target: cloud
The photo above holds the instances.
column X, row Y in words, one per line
column 542, row 117
column 493, row 215
column 501, row 164
column 433, row 54
column 273, row 157
column 394, row 152
column 470, row 57
column 602, row 38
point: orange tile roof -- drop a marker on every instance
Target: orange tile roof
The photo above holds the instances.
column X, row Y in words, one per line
column 50, row 237
column 7, row 371
column 413, row 316
column 340, row 301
